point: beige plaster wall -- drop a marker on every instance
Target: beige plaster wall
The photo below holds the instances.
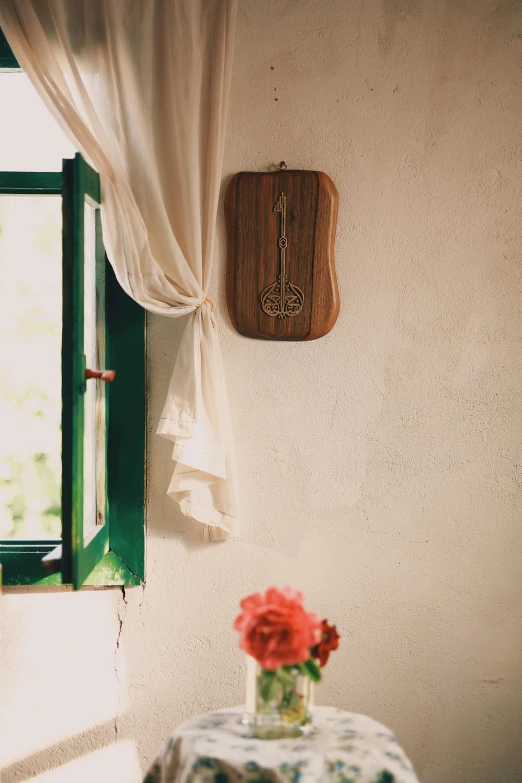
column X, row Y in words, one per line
column 380, row 466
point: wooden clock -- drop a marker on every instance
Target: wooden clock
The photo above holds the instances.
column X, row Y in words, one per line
column 281, row 281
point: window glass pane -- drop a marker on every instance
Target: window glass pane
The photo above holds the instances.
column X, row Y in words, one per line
column 30, row 138
column 94, row 403
column 30, row 366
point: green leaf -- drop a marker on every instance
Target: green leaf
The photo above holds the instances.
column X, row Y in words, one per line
column 285, row 677
column 269, row 686
column 294, row 700
column 311, row 669
column 264, row 681
column 274, row 689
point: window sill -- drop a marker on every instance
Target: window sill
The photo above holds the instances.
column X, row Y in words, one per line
column 22, row 565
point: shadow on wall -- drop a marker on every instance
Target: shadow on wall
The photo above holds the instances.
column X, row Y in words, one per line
column 83, row 758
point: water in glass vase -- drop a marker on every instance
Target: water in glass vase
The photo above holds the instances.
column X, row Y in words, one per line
column 279, row 702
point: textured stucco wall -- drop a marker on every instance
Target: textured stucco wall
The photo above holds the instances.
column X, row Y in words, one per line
column 380, row 466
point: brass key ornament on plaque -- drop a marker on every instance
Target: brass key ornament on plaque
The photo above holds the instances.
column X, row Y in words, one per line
column 282, row 299
column 280, row 253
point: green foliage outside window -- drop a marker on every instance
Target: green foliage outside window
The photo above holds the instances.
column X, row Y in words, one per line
column 30, row 339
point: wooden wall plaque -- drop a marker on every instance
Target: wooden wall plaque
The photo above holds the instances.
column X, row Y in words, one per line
column 281, row 281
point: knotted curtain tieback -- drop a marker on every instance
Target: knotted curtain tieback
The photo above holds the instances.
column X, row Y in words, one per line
column 208, row 302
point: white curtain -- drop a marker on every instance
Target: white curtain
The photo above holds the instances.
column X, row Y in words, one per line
column 141, row 86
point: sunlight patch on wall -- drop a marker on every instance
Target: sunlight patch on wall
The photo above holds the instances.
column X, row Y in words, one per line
column 31, row 139
column 59, row 675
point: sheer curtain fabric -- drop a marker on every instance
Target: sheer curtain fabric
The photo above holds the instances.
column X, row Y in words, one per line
column 142, row 88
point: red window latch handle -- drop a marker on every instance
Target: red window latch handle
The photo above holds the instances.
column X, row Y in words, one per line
column 103, row 375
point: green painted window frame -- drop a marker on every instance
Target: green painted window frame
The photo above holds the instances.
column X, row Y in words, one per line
column 8, row 61
column 116, row 555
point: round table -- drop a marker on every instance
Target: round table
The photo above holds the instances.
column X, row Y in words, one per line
column 219, row 748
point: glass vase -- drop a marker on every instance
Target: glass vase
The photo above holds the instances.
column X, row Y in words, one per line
column 279, row 703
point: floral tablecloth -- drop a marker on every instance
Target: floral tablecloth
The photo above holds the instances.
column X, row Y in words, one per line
column 219, row 748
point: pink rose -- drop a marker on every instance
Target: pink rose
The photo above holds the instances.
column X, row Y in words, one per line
column 275, row 628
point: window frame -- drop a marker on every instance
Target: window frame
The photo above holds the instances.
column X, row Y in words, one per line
column 40, row 562
column 8, row 61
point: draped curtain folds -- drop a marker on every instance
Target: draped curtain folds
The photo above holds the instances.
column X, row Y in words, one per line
column 142, row 89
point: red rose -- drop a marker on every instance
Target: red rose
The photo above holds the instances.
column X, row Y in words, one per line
column 275, row 628
column 329, row 641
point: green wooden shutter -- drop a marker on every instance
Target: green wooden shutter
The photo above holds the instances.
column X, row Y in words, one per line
column 81, row 552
